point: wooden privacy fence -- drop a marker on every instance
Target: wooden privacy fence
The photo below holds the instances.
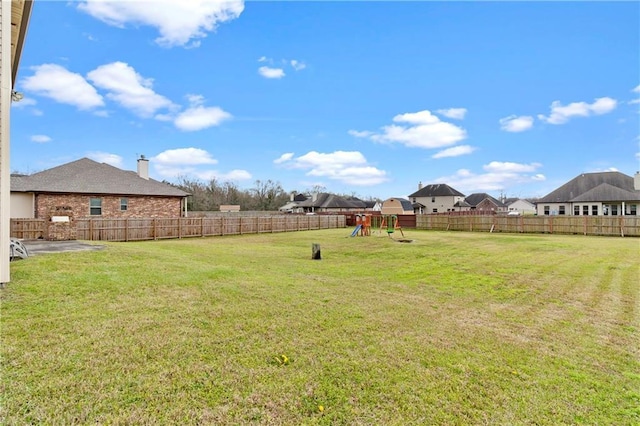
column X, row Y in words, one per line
column 136, row 229
column 27, row 229
column 586, row 225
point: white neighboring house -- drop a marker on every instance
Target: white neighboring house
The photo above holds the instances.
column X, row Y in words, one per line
column 520, row 205
column 594, row 194
column 436, row 198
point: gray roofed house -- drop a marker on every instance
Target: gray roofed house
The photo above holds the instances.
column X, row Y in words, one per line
column 603, row 193
column 88, row 188
column 481, row 201
column 436, row 198
column 436, row 190
column 325, row 202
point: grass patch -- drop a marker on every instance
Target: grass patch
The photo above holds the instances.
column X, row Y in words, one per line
column 454, row 328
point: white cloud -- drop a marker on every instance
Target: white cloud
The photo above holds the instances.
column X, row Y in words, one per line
column 422, row 130
column 297, row 65
column 284, row 158
column 455, row 151
column 184, row 156
column 129, row 89
column 40, row 138
column 189, row 162
column 514, row 123
column 198, row 117
column 497, row 176
column 455, row 113
column 635, row 90
column 178, row 22
column 508, row 167
column 560, row 114
column 349, row 167
column 360, row 134
column 263, row 59
column 105, row 157
column 61, row 85
column 268, row 72
column 233, row 175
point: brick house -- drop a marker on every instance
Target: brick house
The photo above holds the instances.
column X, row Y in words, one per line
column 86, row 188
column 481, row 201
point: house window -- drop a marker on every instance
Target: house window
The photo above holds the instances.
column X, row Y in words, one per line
column 576, row 210
column 634, row 210
column 614, row 210
column 561, row 210
column 433, row 199
column 605, row 209
column 585, row 210
column 414, row 199
column 95, row 206
column 124, row 203
column 435, row 210
column 594, row 210
column 546, row 210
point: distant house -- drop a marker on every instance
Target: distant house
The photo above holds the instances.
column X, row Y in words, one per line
column 436, row 198
column 594, row 194
column 520, row 205
column 484, row 202
column 86, row 188
column 324, row 202
column 397, row 206
column 292, row 206
column 230, row 208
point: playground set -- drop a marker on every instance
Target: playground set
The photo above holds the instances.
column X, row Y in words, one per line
column 389, row 223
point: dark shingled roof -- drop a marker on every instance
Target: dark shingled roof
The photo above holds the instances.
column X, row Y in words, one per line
column 86, row 176
column 478, row 197
column 332, row 201
column 461, row 203
column 406, row 204
column 603, row 186
column 436, row 190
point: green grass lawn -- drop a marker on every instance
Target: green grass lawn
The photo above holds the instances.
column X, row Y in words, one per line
column 454, row 328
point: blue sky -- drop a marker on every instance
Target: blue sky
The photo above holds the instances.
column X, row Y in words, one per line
column 366, row 98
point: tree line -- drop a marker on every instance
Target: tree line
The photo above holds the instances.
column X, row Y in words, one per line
column 209, row 196
column 263, row 196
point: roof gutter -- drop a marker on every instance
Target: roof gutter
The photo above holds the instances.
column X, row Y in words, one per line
column 22, row 35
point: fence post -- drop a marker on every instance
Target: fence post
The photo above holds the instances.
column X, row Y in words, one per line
column 272, row 224
column 155, row 228
column 90, row 229
column 222, row 226
column 202, row 226
column 126, row 229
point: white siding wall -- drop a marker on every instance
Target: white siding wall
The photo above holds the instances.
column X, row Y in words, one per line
column 22, row 205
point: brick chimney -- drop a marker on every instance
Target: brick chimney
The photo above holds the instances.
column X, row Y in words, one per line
column 143, row 167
